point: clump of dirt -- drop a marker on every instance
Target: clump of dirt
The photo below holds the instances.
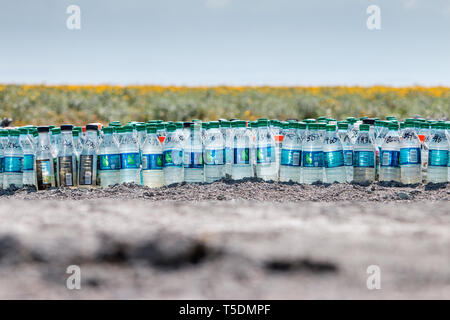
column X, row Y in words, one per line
column 247, row 189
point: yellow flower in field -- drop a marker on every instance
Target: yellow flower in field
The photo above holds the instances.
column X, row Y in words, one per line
column 247, row 113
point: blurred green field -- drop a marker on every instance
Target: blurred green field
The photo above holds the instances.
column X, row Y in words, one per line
column 41, row 104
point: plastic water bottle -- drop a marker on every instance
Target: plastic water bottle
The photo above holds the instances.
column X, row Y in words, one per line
column 424, row 135
column 28, row 158
column 67, row 159
column 109, row 159
column 227, row 133
column 13, row 161
column 312, row 155
column 241, row 166
column 364, row 156
column 333, row 156
column 291, row 154
column 390, row 155
column 347, row 148
column 448, row 139
column 410, row 156
column 193, row 154
column 438, row 155
column 3, row 141
column 77, row 142
column 130, row 160
column 45, row 175
column 87, row 169
column 172, row 157
column 214, row 153
column 266, row 152
column 152, row 160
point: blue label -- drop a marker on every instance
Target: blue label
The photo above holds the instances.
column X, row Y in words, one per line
column 13, row 164
column 438, row 158
column 333, row 159
column 348, row 158
column 109, row 161
column 410, row 156
column 291, row 157
column 2, row 164
column 312, row 159
column 28, row 162
column 265, row 155
column 152, row 161
column 241, row 155
column 130, row 160
column 193, row 159
column 364, row 159
column 214, row 156
column 390, row 158
column 228, row 155
column 173, row 158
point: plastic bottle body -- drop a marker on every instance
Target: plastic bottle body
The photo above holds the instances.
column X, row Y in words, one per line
column 214, row 154
column 193, row 155
column 266, row 154
column 333, row 155
column 390, row 157
column 172, row 158
column 364, row 157
column 109, row 160
column 438, row 157
column 291, row 157
column 312, row 157
column 45, row 175
column 130, row 160
column 13, row 163
column 242, row 163
column 28, row 159
column 87, row 165
column 152, row 162
column 410, row 157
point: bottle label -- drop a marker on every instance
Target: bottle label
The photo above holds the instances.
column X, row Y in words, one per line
column 130, row 160
column 2, row 164
column 152, row 161
column 193, row 160
column 65, row 171
column 348, row 158
column 86, row 169
column 410, row 156
column 13, row 164
column 333, row 159
column 291, row 157
column 438, row 158
column 214, row 156
column 390, row 158
column 264, row 155
column 241, row 155
column 364, row 159
column 44, row 174
column 109, row 161
column 28, row 162
column 228, row 155
column 312, row 159
column 173, row 158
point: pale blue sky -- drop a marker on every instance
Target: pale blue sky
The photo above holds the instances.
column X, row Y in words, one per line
column 232, row 42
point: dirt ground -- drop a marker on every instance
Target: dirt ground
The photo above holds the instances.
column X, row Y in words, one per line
column 227, row 240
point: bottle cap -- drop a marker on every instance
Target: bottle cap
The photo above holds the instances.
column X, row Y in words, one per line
column 330, row 127
column 43, row 129
column 364, row 127
column 66, row 127
column 91, row 127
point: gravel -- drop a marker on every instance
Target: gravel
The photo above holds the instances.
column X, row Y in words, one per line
column 227, row 240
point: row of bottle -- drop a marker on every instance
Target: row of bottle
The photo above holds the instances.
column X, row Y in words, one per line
column 304, row 152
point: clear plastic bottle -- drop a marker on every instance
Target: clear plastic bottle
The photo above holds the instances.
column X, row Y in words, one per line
column 438, row 155
column 193, row 154
column 3, row 142
column 333, row 156
column 87, row 169
column 347, row 148
column 28, row 157
column 424, row 135
column 364, row 156
column 291, row 154
column 390, row 155
column 45, row 175
column 312, row 156
column 410, row 156
column 172, row 157
column 242, row 160
column 67, row 159
column 227, row 133
column 109, row 159
column 266, row 152
column 152, row 160
column 130, row 158
column 13, row 161
column 214, row 153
